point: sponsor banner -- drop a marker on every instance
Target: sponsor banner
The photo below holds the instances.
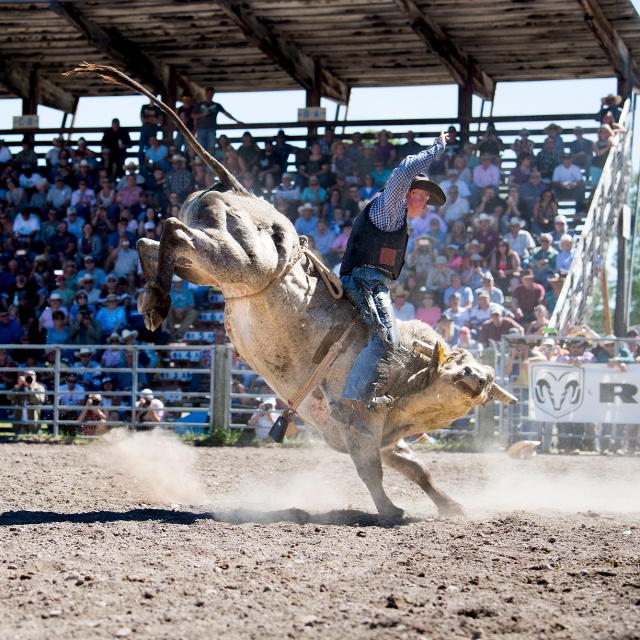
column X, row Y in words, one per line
column 211, row 316
column 560, row 392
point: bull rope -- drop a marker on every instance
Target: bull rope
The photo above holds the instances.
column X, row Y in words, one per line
column 331, row 281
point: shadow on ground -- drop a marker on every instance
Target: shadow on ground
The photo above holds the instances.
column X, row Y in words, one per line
column 349, row 517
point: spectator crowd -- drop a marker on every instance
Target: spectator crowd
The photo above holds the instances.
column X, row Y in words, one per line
column 489, row 262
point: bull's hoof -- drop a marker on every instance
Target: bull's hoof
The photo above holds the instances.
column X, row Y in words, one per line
column 154, row 308
column 392, row 515
column 153, row 319
column 451, row 510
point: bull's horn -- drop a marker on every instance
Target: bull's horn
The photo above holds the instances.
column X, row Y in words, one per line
column 423, row 348
column 498, row 393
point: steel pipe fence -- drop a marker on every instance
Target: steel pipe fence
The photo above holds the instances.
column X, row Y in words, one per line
column 515, row 357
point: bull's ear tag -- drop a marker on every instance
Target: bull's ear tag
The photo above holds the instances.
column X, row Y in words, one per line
column 439, row 352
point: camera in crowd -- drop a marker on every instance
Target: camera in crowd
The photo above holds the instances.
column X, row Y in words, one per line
column 94, row 401
column 28, row 379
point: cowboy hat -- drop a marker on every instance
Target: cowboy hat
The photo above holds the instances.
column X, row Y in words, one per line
column 438, row 198
column 553, row 125
column 617, row 99
column 485, row 216
column 515, row 221
column 114, row 337
column 83, row 352
column 474, row 246
column 523, row 449
column 126, row 334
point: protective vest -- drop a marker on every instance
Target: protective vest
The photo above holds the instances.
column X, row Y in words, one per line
column 368, row 246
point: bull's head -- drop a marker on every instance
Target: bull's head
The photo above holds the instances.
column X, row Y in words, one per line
column 461, row 370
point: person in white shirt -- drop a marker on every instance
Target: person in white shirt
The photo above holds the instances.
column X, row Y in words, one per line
column 26, row 225
column 263, row 419
column 520, row 240
column 458, row 314
column 452, row 179
column 568, row 182
column 74, row 222
column 456, row 207
column 402, row 309
column 151, row 411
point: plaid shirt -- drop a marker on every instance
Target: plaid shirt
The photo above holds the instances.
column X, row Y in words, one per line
column 388, row 211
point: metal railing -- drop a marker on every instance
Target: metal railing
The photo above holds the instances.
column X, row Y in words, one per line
column 575, row 302
column 176, row 375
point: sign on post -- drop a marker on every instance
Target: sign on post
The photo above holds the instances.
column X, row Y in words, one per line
column 26, row 122
column 312, row 114
column 591, row 393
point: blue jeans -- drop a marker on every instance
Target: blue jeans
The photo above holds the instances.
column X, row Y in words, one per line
column 357, row 286
column 207, row 138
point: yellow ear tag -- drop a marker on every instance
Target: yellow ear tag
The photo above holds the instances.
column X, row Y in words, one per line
column 440, row 353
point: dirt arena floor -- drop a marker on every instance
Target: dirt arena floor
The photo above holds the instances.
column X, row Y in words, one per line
column 145, row 537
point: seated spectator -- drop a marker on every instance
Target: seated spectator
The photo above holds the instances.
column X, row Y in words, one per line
column 523, row 144
column 26, row 225
column 89, row 370
column 614, row 354
column 548, row 159
column 490, row 202
column 84, row 328
column 23, row 285
column 71, row 400
column 436, row 234
column 16, row 197
column 457, row 237
column 554, row 131
column 314, row 194
column 62, row 246
column 527, row 296
column 410, row 147
column 581, row 151
column 317, row 164
column 380, row 174
column 268, row 169
column 179, row 177
column 123, row 258
column 150, row 411
column 323, row 237
column 486, row 234
column 263, row 419
column 306, row 221
column 568, row 183
column 565, row 256
column 385, row 150
column 495, row 294
column 458, row 314
column 465, row 293
column 485, row 174
column 456, row 207
column 447, row 330
column 111, row 317
column 541, row 321
column 543, row 260
column 339, row 245
column 82, row 199
column 522, row 172
column 465, row 341
column 111, row 356
column 156, row 155
column 87, row 283
column 610, row 106
column 428, row 312
column 497, row 326
column 503, row 263
column 560, row 229
column 520, row 240
column 555, row 288
column 475, row 272
column 369, row 189
column 288, row 193
column 439, row 278
column 182, row 312
column 24, row 395
column 10, row 329
column 422, row 258
column 530, row 192
column 481, row 312
column 55, row 304
column 123, row 380
column 129, row 195
column 402, row 309
column 59, row 194
column 578, row 354
column 67, row 294
column 545, row 212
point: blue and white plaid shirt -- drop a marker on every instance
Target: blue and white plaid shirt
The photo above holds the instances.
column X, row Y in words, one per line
column 389, row 209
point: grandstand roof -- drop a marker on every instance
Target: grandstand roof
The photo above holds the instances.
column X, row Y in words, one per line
column 326, row 46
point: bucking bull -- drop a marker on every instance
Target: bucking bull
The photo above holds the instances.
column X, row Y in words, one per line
column 282, row 318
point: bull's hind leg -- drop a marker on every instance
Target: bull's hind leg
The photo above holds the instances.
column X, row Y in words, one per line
column 404, row 461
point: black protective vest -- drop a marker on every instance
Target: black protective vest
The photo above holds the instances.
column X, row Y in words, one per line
column 368, row 246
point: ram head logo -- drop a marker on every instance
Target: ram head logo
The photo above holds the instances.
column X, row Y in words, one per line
column 558, row 391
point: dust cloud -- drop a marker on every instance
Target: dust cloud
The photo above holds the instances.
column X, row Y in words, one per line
column 529, row 485
column 160, row 466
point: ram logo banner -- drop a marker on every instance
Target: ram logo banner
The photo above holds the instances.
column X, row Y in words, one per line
column 558, row 391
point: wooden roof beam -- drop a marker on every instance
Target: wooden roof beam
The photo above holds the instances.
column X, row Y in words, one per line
column 304, row 69
column 462, row 68
column 17, row 79
column 125, row 53
column 612, row 44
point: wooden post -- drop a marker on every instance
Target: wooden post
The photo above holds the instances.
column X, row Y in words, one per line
column 605, row 301
column 620, row 313
column 312, row 100
column 222, row 389
column 465, row 109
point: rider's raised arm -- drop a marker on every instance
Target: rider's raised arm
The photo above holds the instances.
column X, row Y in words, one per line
column 389, row 208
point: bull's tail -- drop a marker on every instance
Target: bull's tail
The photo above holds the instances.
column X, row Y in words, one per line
column 113, row 76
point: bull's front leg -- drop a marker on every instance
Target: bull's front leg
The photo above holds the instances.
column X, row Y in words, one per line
column 401, row 458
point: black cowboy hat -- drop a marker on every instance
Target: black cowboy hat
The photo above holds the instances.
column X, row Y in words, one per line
column 438, row 198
